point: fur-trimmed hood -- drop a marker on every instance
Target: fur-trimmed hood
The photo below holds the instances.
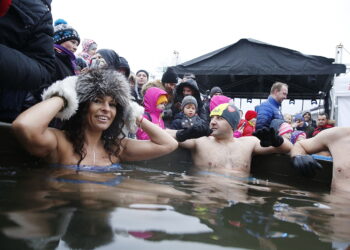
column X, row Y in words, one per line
column 101, row 82
column 156, row 83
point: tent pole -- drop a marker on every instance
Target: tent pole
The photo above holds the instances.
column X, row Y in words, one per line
column 302, row 106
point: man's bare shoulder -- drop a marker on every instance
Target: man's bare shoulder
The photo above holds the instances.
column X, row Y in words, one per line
column 194, row 144
column 204, row 140
column 248, row 139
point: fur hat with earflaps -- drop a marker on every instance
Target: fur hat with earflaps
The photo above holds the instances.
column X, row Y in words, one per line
column 112, row 83
column 101, row 82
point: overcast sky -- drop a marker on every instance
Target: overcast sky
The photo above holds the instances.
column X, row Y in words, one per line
column 146, row 32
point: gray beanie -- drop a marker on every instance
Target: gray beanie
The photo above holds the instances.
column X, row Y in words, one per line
column 215, row 90
column 189, row 100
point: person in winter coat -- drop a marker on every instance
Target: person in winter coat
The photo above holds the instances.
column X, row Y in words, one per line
column 247, row 125
column 308, row 120
column 322, row 124
column 189, row 87
column 106, row 58
column 310, row 124
column 26, row 53
column 206, row 102
column 169, row 81
column 142, row 78
column 124, row 67
column 66, row 41
column 188, row 117
column 270, row 109
column 154, row 102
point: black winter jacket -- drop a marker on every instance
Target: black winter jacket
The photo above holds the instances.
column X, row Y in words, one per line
column 26, row 53
column 181, row 121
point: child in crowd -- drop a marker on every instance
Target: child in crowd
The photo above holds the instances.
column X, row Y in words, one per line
column 287, row 118
column 89, row 50
column 154, row 102
column 188, row 117
column 246, row 127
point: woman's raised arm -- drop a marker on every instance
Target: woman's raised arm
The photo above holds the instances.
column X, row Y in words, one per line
column 31, row 127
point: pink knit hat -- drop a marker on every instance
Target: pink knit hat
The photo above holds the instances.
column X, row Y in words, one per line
column 216, row 100
column 285, row 128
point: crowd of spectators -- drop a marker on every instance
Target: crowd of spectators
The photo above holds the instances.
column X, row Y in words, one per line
column 50, row 53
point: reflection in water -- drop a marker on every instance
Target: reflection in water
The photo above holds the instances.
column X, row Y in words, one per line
column 89, row 229
column 143, row 209
column 329, row 218
column 167, row 221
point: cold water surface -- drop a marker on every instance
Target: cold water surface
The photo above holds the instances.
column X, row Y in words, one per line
column 146, row 208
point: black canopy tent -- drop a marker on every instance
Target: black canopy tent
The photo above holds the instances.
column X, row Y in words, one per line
column 248, row 68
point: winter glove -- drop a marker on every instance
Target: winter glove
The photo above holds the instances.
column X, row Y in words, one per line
column 65, row 89
column 195, row 131
column 167, row 114
column 306, row 165
column 268, row 137
column 133, row 111
column 97, row 63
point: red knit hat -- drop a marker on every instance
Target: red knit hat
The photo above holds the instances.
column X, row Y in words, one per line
column 250, row 115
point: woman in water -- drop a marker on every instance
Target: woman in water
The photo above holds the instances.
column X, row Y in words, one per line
column 96, row 106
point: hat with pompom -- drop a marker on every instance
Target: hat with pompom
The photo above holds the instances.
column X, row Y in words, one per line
column 64, row 32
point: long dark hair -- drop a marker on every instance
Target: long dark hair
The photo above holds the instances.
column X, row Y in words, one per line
column 111, row 137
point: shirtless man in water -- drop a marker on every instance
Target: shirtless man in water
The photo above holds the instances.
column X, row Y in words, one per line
column 337, row 141
column 223, row 153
